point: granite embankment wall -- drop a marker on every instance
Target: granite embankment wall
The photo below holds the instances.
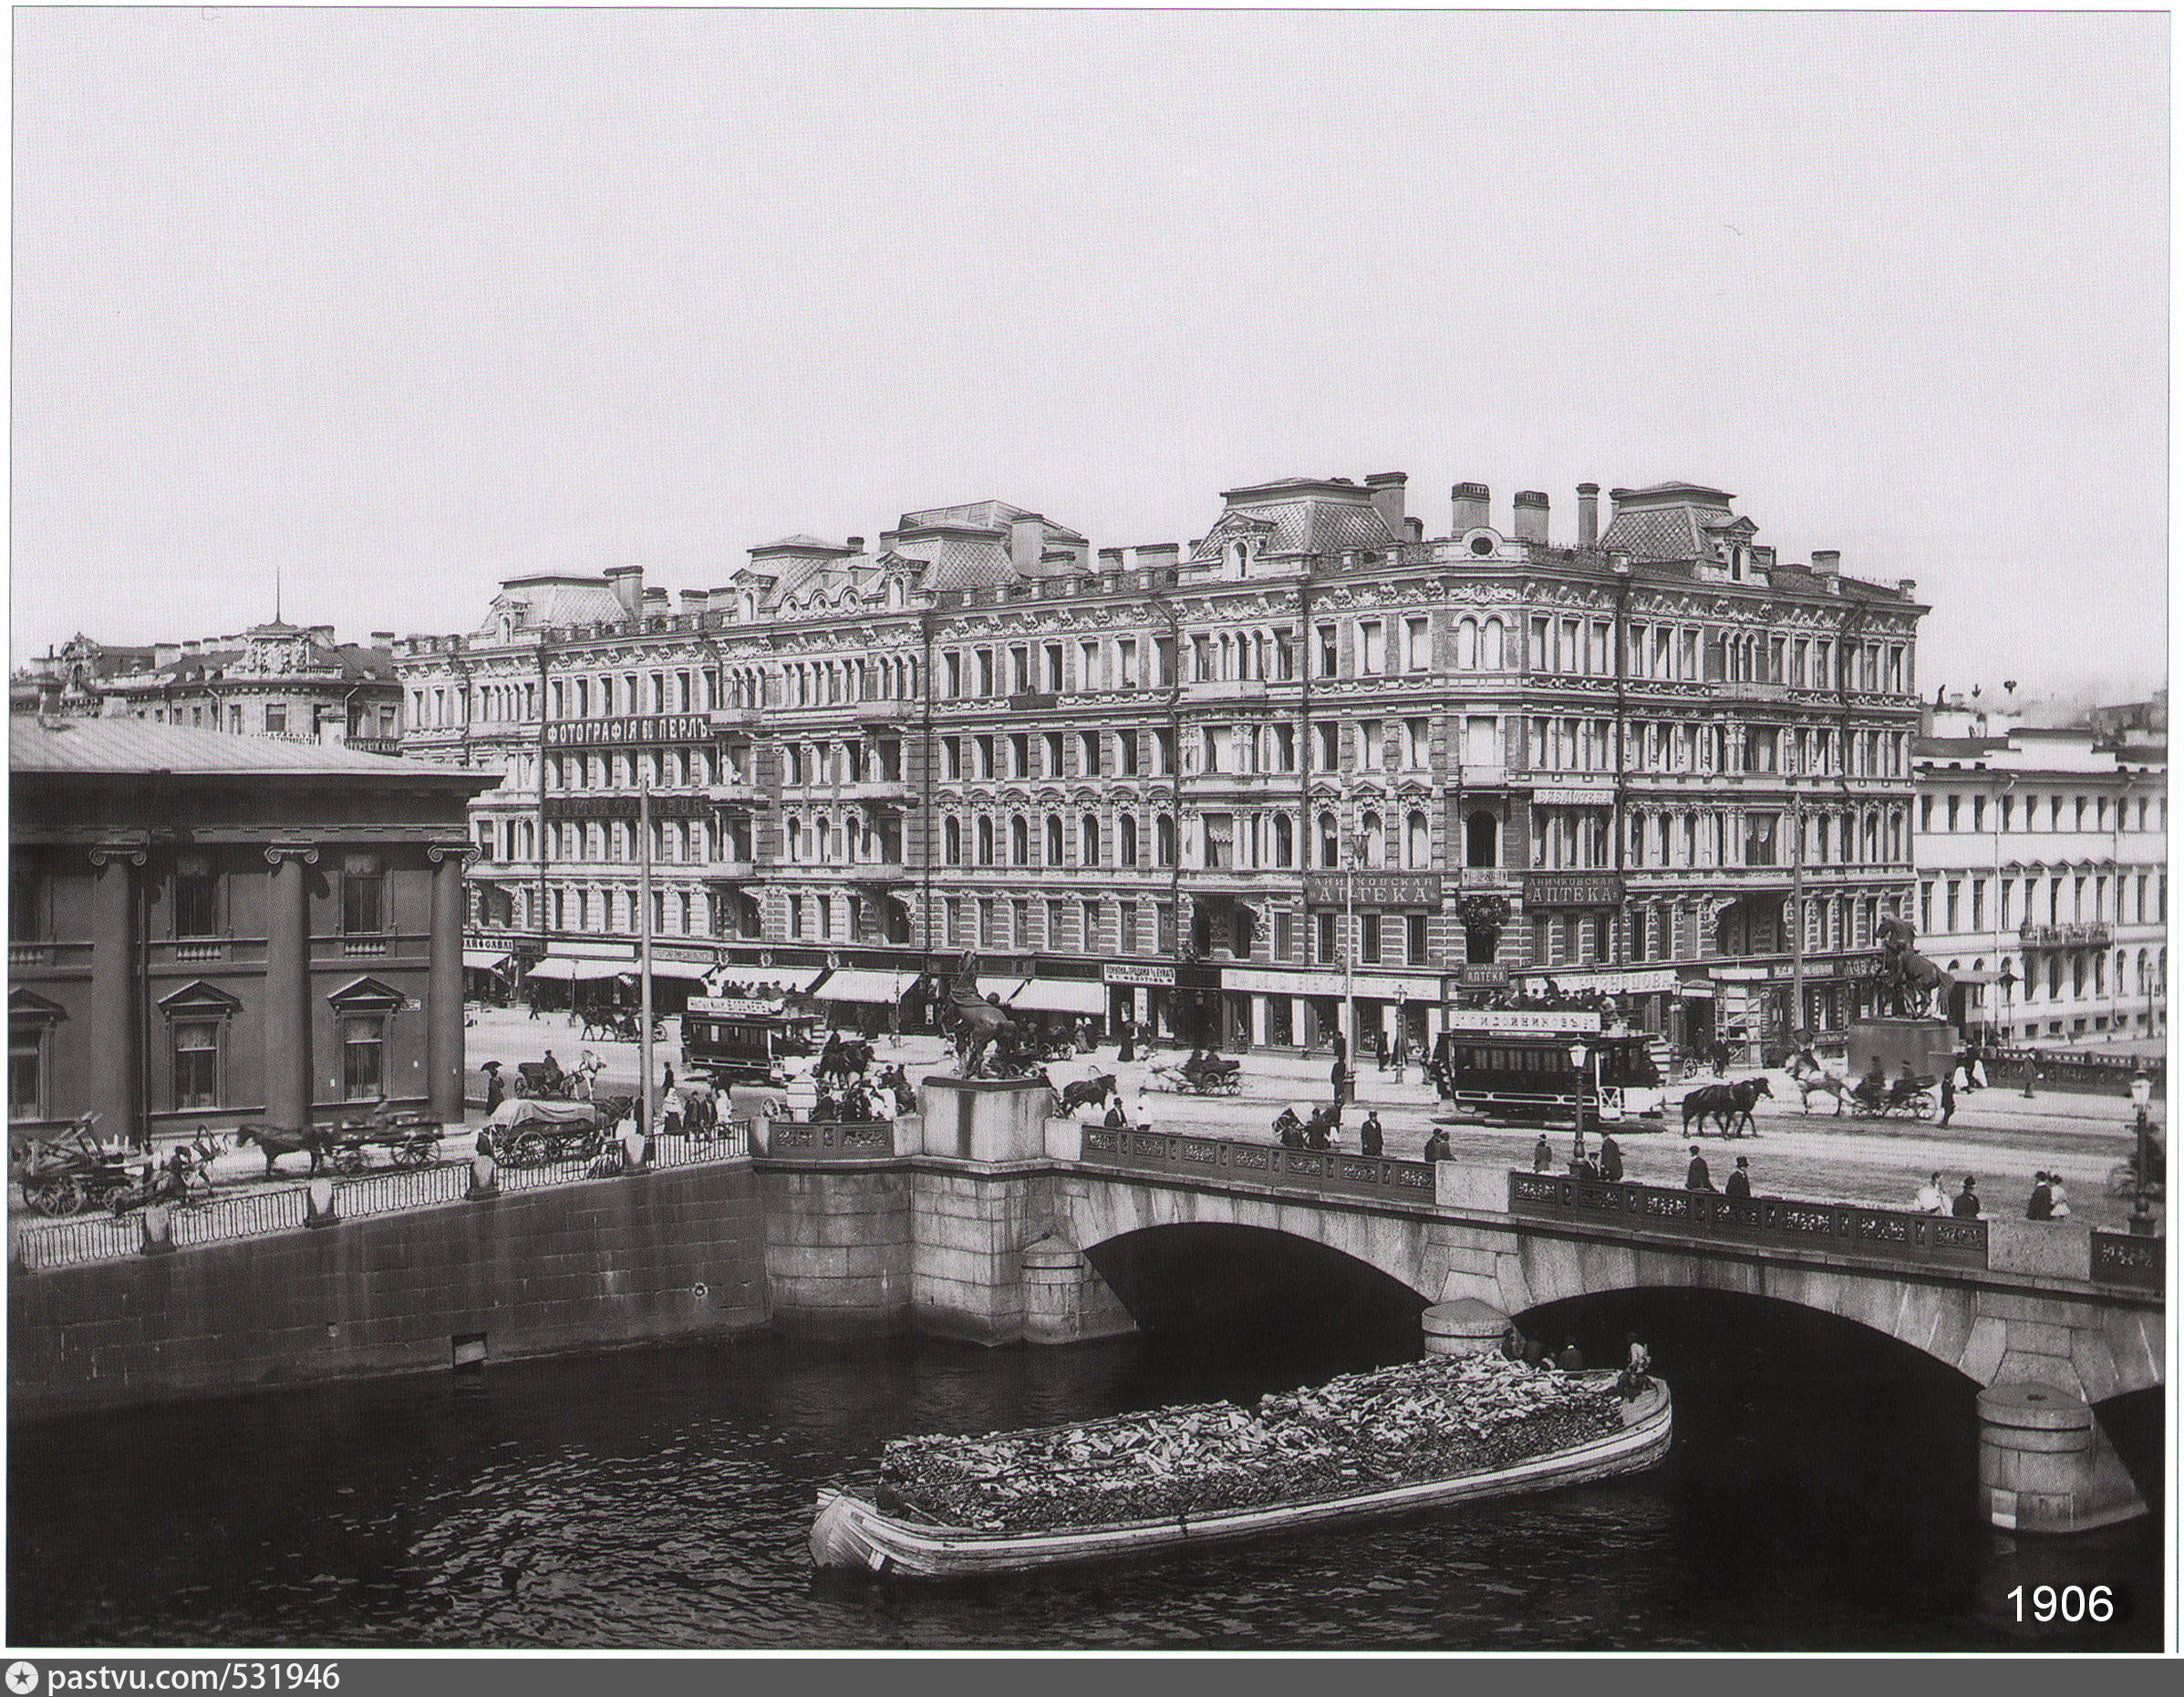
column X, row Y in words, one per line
column 645, row 1258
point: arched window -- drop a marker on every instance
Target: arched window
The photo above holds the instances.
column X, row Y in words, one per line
column 951, row 841
column 1088, row 840
column 1126, row 840
column 1375, row 834
column 1468, row 645
column 1330, row 841
column 1163, row 839
column 1053, row 839
column 1019, row 840
column 1490, row 646
column 1285, row 840
column 1479, row 832
column 1240, row 559
column 1417, row 850
column 985, row 842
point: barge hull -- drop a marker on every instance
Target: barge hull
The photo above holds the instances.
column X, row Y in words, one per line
column 850, row 1532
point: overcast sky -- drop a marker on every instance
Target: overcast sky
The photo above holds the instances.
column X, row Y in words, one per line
column 404, row 302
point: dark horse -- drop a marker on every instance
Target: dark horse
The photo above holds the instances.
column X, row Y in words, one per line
column 1091, row 1093
column 1725, row 1103
column 316, row 1140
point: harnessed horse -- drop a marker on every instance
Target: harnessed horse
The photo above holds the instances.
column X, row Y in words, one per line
column 1725, row 1104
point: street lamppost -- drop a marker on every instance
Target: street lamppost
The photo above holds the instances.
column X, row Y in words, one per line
column 1579, row 1054
column 2142, row 1203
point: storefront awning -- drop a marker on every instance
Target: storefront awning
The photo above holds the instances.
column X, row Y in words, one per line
column 879, row 989
column 795, row 979
column 1062, row 996
column 485, row 960
column 561, row 970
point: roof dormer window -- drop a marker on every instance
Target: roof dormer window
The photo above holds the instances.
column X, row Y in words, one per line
column 1240, row 559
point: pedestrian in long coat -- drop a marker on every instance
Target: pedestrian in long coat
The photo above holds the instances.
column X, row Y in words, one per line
column 1696, row 1176
column 1612, row 1160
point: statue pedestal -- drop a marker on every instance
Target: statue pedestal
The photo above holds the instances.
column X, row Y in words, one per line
column 1926, row 1047
column 984, row 1119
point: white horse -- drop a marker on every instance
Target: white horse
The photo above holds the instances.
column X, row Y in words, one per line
column 1813, row 1078
column 581, row 1076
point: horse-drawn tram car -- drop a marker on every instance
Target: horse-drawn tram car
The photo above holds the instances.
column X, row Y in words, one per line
column 1425, row 1436
column 1540, row 1064
column 743, row 1041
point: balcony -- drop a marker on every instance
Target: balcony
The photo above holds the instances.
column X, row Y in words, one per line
column 2083, row 933
column 893, row 791
column 1751, row 692
column 882, row 712
column 736, row 717
column 1227, row 689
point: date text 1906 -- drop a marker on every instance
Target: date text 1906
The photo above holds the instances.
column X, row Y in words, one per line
column 2065, row 1605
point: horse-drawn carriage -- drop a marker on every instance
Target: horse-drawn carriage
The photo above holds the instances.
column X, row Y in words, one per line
column 409, row 1140
column 526, row 1132
column 64, row 1174
column 1203, row 1075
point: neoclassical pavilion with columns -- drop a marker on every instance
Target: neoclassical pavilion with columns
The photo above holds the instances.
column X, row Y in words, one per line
column 205, row 930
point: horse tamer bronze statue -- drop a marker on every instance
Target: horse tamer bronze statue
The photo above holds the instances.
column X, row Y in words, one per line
column 1911, row 986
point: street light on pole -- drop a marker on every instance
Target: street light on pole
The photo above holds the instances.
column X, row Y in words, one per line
column 2142, row 1203
column 1579, row 1054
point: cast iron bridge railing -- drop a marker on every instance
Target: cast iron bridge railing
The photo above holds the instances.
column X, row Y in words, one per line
column 1772, row 1222
column 2119, row 1258
column 831, row 1140
column 1311, row 1171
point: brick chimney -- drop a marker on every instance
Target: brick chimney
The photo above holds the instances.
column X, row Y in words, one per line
column 1111, row 559
column 627, row 582
column 1589, row 514
column 1827, row 562
column 1387, row 488
column 1529, row 516
column 382, row 639
column 1469, row 505
column 1158, row 553
column 856, row 543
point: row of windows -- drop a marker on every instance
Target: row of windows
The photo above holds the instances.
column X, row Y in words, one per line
column 1947, row 906
column 197, row 1063
column 1582, row 837
column 198, row 904
column 2009, row 812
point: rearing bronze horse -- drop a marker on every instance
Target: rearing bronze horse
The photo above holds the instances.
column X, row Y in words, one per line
column 1910, row 984
column 978, row 1022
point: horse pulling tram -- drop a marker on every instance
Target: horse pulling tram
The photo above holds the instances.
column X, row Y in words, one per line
column 739, row 1040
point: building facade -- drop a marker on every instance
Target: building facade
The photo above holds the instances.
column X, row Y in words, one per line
column 2044, row 877
column 1315, row 756
column 205, row 930
column 297, row 683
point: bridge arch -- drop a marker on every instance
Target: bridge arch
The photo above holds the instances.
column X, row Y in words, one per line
column 1990, row 1335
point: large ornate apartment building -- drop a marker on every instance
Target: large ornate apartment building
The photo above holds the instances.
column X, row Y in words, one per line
column 1315, row 755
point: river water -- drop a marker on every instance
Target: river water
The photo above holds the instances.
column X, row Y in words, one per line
column 660, row 1498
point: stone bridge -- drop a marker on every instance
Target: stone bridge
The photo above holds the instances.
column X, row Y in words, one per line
column 981, row 1219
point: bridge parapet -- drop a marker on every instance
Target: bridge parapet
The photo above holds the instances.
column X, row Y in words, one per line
column 2135, row 1263
column 1226, row 1160
column 1831, row 1227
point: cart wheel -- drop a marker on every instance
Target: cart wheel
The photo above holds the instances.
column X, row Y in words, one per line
column 57, row 1197
column 530, row 1149
column 1923, row 1104
column 348, row 1162
column 418, row 1152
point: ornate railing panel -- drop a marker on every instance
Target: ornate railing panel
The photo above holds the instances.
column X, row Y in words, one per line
column 2120, row 1258
column 836, row 1140
column 1831, row 1227
column 1221, row 1159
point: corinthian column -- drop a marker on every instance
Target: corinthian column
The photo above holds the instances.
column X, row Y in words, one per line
column 117, row 1084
